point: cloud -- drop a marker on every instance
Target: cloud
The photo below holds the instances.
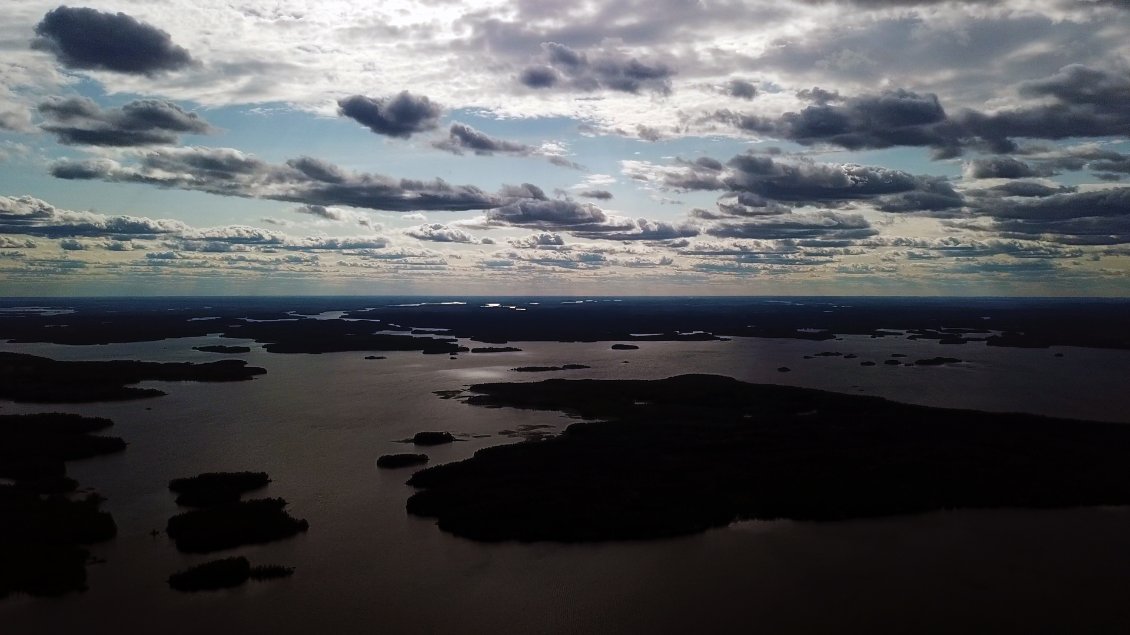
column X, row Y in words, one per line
column 642, row 229
column 538, row 240
column 563, row 259
column 462, row 137
column 603, row 70
column 320, row 211
column 338, row 243
column 1029, row 189
column 87, row 39
column 548, row 213
column 399, row 116
column 954, row 247
column 14, row 119
column 79, row 121
column 893, row 118
column 800, row 182
column 600, row 195
column 34, row 217
column 823, row 225
column 1077, row 101
column 440, row 233
column 305, row 180
column 1000, row 168
column 1097, row 217
column 740, row 88
column 7, row 242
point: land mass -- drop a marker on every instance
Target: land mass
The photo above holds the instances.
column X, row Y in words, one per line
column 286, row 328
column 681, row 455
column 29, row 378
column 232, row 525
column 43, row 530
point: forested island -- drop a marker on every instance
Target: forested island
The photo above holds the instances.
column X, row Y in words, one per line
column 681, row 455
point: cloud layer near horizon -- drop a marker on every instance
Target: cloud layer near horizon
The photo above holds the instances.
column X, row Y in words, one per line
column 824, row 142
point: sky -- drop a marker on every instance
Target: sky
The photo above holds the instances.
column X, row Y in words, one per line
column 658, row 147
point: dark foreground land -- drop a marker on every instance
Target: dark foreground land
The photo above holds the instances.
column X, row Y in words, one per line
column 685, row 454
column 43, row 530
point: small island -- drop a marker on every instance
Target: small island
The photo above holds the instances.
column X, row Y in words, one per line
column 232, row 525
column 216, row 488
column 624, row 347
column 496, row 349
column 223, row 574
column 937, row 361
column 226, row 350
column 681, row 455
column 548, row 369
column 393, row 461
column 432, row 438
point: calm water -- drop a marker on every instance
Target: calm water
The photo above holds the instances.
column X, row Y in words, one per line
column 317, row 423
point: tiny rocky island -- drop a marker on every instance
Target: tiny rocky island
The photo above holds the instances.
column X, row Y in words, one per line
column 685, row 454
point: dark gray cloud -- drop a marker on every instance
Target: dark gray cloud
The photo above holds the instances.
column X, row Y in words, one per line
column 304, row 180
column 79, row 121
column 539, row 77
column 1002, row 167
column 894, row 118
column 1077, row 101
column 463, row 138
column 819, row 95
column 1098, row 217
column 401, row 115
column 741, row 88
column 600, row 195
column 603, row 70
column 1028, row 189
column 803, row 182
column 1108, row 202
column 1085, row 157
column 545, row 213
column 738, row 204
column 88, row 39
column 816, row 225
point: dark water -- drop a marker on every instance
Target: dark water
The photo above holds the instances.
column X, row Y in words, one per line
column 317, row 423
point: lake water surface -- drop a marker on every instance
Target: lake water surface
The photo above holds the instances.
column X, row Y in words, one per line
column 316, row 424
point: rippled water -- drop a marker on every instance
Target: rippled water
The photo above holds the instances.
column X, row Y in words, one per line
column 317, row 423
